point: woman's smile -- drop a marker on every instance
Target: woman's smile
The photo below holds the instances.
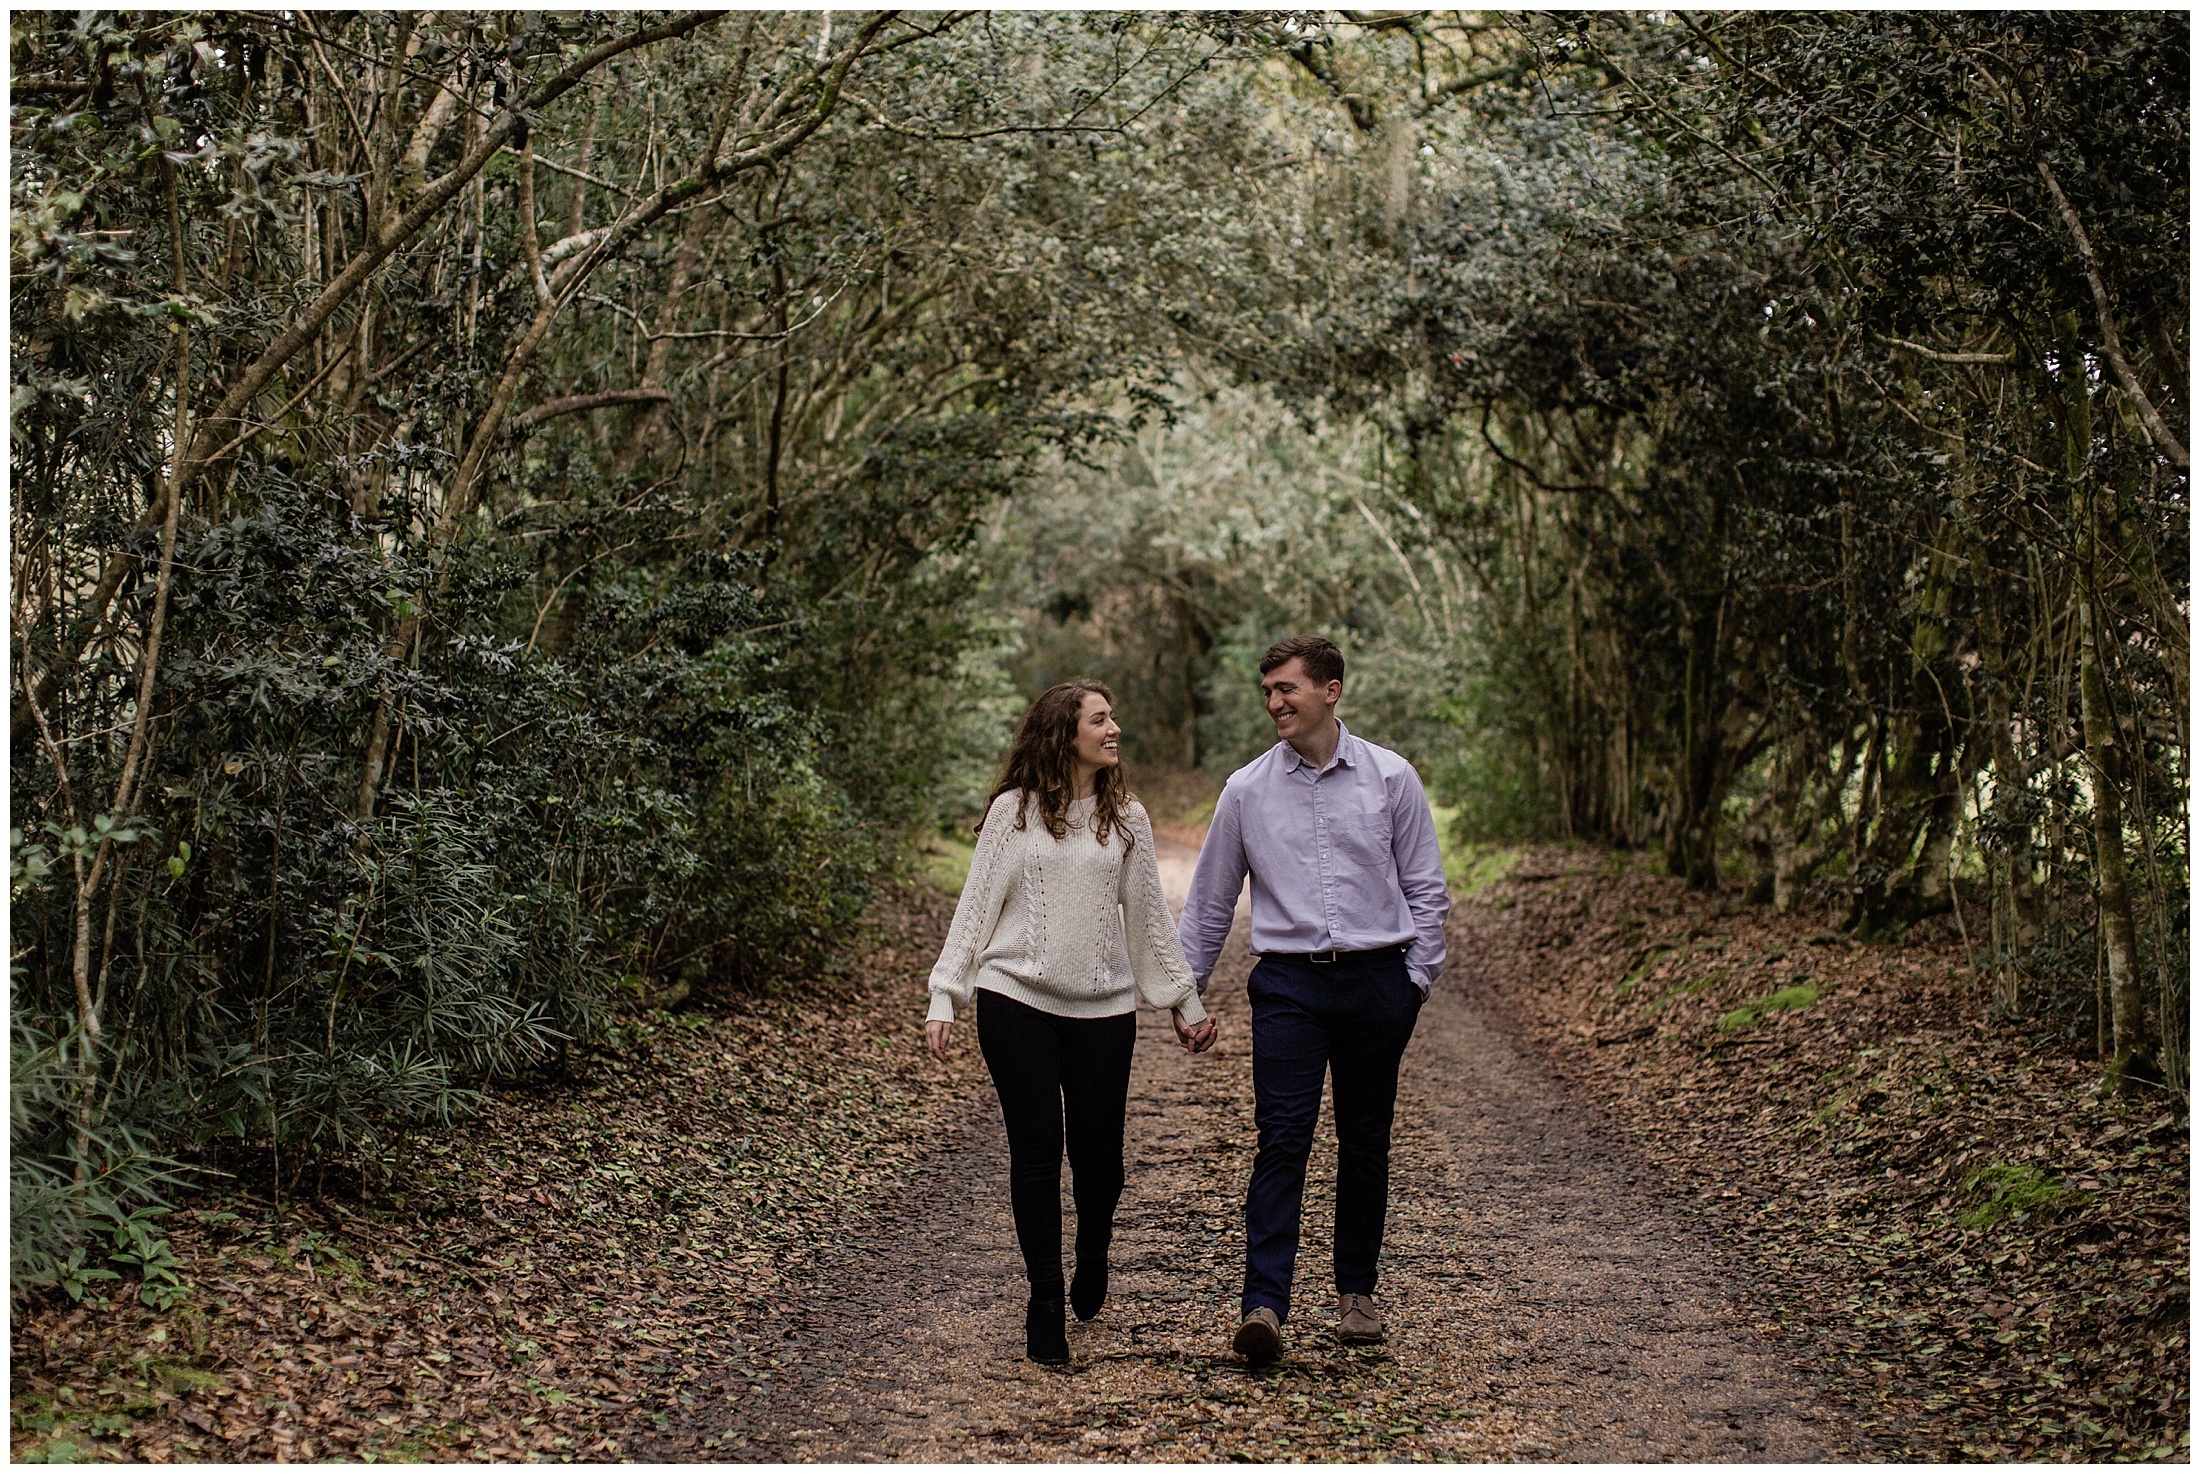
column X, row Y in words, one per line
column 1098, row 741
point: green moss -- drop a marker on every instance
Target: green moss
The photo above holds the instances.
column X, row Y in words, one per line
column 2005, row 1191
column 1692, row 986
column 1801, row 995
column 181, row 1378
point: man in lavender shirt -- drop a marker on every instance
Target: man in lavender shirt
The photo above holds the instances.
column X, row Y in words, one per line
column 1348, row 921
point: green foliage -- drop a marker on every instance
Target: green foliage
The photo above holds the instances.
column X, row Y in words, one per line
column 76, row 1177
column 1472, row 868
column 137, row 1247
column 1168, row 567
column 1749, row 1015
column 574, row 578
column 784, row 873
column 944, row 859
column 73, row 1167
column 2005, row 1191
column 1771, row 451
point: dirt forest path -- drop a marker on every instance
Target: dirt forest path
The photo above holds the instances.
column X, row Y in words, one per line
column 1545, row 1302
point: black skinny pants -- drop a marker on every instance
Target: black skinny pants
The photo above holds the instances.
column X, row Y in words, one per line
column 1061, row 1081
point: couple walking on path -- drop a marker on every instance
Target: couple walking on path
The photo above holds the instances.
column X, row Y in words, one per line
column 1062, row 931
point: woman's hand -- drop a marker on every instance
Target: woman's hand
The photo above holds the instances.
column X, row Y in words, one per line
column 935, row 1037
column 1196, row 1038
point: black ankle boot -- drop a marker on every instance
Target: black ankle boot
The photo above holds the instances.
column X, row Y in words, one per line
column 1045, row 1340
column 1088, row 1288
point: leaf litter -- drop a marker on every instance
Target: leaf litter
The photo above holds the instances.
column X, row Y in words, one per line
column 547, row 1280
column 1989, row 1249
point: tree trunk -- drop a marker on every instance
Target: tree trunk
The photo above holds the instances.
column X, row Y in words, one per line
column 1901, row 872
column 1692, row 848
column 689, row 252
column 2133, row 1055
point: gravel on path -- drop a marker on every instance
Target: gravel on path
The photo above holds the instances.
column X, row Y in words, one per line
column 1545, row 1303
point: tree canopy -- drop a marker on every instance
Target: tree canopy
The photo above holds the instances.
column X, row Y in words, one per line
column 514, row 512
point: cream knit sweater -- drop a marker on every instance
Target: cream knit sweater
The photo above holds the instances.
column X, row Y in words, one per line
column 1066, row 925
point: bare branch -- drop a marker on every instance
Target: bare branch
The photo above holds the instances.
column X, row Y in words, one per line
column 2111, row 345
column 1938, row 356
column 573, row 404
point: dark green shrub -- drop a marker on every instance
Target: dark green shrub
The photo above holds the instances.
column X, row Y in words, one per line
column 71, row 1170
column 785, row 872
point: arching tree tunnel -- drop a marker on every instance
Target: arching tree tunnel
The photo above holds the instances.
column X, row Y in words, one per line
column 515, row 516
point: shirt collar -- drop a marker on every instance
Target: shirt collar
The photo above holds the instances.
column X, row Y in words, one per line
column 1344, row 755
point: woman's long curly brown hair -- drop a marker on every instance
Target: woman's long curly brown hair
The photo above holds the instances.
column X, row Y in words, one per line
column 1042, row 761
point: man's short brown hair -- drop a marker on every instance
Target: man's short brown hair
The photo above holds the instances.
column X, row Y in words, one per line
column 1324, row 662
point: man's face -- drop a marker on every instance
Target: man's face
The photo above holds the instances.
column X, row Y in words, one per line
column 1295, row 703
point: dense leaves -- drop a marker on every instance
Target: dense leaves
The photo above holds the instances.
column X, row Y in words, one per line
column 493, row 497
column 1781, row 418
column 1801, row 401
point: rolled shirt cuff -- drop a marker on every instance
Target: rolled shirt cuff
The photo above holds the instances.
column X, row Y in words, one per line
column 942, row 1010
column 1421, row 978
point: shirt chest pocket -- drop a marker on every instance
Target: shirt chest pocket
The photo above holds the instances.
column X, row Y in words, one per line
column 1363, row 834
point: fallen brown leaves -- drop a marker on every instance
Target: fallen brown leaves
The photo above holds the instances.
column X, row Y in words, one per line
column 545, row 1282
column 1991, row 1249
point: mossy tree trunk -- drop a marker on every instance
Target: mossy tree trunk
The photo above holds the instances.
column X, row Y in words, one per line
column 2131, row 1050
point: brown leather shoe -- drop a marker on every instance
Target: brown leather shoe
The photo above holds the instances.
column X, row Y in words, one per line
column 1259, row 1338
column 1359, row 1323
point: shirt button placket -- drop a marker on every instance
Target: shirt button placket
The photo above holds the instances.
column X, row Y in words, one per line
column 1321, row 831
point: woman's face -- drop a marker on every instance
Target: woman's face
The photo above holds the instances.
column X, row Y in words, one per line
column 1097, row 733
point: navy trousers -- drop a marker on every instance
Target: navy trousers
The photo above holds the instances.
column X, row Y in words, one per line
column 1350, row 1020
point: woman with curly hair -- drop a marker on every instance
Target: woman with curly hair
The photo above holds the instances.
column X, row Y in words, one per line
column 1061, row 933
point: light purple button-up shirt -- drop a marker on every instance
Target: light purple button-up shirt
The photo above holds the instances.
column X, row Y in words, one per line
column 1344, row 859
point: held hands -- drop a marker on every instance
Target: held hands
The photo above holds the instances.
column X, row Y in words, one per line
column 1196, row 1038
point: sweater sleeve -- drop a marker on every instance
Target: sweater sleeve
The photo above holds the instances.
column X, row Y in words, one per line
column 977, row 912
column 1157, row 959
